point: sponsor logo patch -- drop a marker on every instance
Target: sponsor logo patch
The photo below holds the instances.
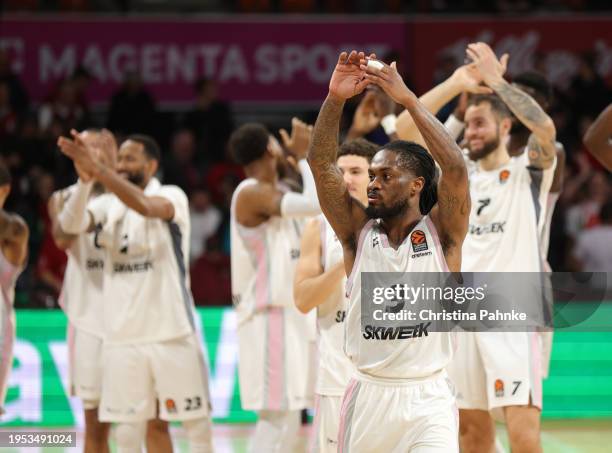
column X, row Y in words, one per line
column 499, row 388
column 171, row 406
column 418, row 241
column 495, row 227
column 503, row 176
column 395, row 333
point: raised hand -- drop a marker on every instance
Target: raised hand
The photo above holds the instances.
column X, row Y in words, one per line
column 108, row 148
column 383, row 104
column 388, row 79
column 299, row 141
column 82, row 155
column 489, row 67
column 348, row 78
column 470, row 80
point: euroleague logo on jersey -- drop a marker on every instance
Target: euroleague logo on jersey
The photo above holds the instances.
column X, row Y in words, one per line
column 418, row 241
column 503, row 176
column 499, row 388
column 171, row 406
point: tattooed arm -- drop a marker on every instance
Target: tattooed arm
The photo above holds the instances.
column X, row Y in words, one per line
column 541, row 143
column 346, row 215
column 451, row 214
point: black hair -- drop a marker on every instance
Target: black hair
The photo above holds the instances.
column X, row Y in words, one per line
column 5, row 175
column 150, row 146
column 413, row 157
column 358, row 147
column 248, row 143
column 498, row 106
column 536, row 82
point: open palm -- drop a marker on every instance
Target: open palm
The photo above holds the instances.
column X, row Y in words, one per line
column 348, row 79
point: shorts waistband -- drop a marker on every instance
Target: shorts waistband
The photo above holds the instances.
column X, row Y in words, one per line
column 403, row 382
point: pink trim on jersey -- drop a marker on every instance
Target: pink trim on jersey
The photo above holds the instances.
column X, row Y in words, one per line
column 346, row 401
column 276, row 352
column 439, row 253
column 536, row 369
column 262, row 290
column 364, row 231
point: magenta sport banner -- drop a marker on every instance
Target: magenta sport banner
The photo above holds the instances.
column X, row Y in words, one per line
column 285, row 60
column 279, row 59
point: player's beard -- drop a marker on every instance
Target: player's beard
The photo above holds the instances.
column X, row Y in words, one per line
column 386, row 212
column 136, row 177
column 487, row 148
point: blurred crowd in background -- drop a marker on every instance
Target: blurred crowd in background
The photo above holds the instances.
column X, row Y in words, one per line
column 310, row 6
column 195, row 158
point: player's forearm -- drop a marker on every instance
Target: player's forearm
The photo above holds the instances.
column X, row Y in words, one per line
column 433, row 100
column 331, row 190
column 312, row 292
column 73, row 218
column 324, row 145
column 130, row 194
column 62, row 240
column 439, row 142
column 527, row 110
column 597, row 138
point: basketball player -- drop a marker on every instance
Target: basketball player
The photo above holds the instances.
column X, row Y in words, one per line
column 82, row 301
column 598, row 138
column 150, row 348
column 276, row 341
column 399, row 400
column 14, row 235
column 319, row 283
column 502, row 369
column 539, row 89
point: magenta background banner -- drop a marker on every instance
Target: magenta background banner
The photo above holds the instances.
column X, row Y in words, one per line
column 280, row 61
column 550, row 45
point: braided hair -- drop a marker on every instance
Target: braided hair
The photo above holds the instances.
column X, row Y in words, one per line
column 413, row 157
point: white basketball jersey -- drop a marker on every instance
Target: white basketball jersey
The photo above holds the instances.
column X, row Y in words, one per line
column 263, row 261
column 81, row 298
column 506, row 217
column 147, row 293
column 335, row 368
column 424, row 353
